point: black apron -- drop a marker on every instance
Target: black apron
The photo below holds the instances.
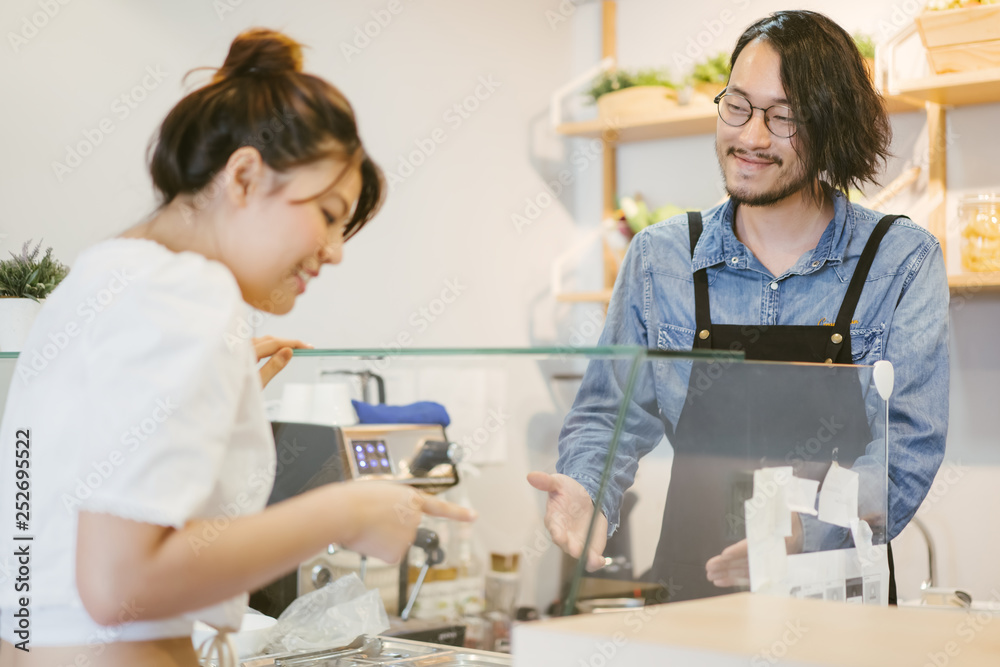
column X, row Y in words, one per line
column 768, row 420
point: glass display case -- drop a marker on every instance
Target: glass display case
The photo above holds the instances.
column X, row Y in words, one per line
column 773, row 472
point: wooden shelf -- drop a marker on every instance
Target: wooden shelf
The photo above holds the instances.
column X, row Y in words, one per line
column 684, row 121
column 695, row 118
column 957, row 89
column 973, row 281
column 600, row 296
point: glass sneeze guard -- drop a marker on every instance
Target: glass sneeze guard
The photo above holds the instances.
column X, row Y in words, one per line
column 775, row 473
column 678, row 491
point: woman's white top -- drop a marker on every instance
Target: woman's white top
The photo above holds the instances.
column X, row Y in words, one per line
column 138, row 395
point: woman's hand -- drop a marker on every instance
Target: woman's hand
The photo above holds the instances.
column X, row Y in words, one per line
column 280, row 352
column 388, row 516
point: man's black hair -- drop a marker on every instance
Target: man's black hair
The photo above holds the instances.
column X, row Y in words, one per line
column 843, row 132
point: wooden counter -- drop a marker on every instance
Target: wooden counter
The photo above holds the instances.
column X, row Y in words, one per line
column 744, row 629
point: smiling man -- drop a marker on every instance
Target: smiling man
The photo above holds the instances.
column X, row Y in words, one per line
column 787, row 269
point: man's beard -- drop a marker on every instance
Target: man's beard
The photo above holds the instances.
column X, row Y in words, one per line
column 786, row 186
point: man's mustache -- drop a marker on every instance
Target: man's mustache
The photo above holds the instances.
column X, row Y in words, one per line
column 754, row 156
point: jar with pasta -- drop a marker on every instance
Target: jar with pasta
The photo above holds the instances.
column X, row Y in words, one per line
column 979, row 217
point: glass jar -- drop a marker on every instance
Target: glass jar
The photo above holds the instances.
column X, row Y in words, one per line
column 979, row 217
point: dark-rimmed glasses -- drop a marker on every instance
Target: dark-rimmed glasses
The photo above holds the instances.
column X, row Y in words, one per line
column 736, row 110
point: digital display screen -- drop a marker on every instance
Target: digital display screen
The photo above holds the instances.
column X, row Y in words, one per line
column 371, row 457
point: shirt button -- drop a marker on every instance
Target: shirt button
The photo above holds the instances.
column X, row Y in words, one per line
column 735, row 260
column 774, row 286
column 815, row 263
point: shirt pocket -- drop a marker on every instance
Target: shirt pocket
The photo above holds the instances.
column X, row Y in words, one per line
column 866, row 345
column 672, row 337
column 672, row 375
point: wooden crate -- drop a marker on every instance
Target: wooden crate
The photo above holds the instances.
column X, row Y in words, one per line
column 959, row 40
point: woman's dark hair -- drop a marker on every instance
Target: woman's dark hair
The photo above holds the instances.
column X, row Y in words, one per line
column 843, row 129
column 260, row 97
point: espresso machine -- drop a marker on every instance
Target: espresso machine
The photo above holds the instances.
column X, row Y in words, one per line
column 311, row 455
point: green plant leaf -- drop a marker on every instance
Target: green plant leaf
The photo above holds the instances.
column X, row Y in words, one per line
column 27, row 277
column 619, row 79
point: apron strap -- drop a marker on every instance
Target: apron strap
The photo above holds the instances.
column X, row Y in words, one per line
column 702, row 311
column 842, row 327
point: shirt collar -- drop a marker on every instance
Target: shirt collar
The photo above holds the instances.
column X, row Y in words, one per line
column 718, row 243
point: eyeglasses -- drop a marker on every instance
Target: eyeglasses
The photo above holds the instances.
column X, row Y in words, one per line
column 736, row 110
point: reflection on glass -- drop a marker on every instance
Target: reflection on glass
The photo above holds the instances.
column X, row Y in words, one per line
column 730, row 475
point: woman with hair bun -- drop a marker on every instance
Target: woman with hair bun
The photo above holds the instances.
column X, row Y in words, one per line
column 262, row 177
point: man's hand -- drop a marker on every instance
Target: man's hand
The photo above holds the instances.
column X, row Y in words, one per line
column 568, row 511
column 732, row 566
column 280, row 352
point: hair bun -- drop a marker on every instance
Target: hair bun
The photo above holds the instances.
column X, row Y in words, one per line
column 261, row 52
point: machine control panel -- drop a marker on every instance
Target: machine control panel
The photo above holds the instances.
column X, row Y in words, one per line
column 370, row 457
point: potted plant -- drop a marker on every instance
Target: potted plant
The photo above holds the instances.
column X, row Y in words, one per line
column 710, row 76
column 633, row 93
column 25, row 280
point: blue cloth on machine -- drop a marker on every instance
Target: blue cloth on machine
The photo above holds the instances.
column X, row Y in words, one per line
column 421, row 412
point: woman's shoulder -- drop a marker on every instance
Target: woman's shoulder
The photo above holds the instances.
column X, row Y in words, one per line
column 148, row 275
column 146, row 263
column 125, row 283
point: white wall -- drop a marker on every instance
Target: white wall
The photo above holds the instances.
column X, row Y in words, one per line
column 450, row 220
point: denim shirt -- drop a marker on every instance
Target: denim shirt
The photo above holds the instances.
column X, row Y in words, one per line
column 902, row 317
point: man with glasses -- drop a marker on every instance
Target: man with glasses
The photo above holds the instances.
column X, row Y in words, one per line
column 787, row 269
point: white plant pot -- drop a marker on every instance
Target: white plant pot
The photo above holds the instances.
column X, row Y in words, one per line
column 16, row 318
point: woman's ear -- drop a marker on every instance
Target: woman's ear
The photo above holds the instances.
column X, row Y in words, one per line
column 244, row 175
